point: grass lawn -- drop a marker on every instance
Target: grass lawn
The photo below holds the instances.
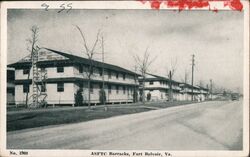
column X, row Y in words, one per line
column 32, row 119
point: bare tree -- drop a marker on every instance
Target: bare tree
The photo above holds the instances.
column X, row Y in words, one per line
column 135, row 89
column 185, row 78
column 32, row 49
column 171, row 72
column 89, row 52
column 143, row 64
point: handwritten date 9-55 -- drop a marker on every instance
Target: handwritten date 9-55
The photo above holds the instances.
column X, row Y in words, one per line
column 64, row 6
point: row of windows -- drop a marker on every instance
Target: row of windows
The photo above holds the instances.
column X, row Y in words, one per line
column 161, row 82
column 27, row 70
column 100, row 70
column 60, row 69
column 117, row 87
column 60, row 88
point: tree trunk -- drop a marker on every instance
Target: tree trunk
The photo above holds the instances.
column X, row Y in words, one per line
column 89, row 93
column 143, row 91
column 27, row 94
column 170, row 87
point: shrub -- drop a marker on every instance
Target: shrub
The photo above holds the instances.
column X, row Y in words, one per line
column 102, row 96
column 79, row 98
column 148, row 96
column 135, row 96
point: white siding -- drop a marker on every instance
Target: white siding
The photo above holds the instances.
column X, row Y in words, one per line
column 20, row 76
column 52, row 72
column 155, row 84
column 20, row 96
column 53, row 97
column 65, row 97
column 155, row 94
column 129, row 79
column 110, row 97
column 120, row 96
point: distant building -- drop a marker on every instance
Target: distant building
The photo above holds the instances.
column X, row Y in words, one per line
column 204, row 93
column 159, row 87
column 199, row 93
column 10, row 86
column 66, row 73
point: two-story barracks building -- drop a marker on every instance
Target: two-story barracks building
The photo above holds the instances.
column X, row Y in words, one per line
column 66, row 73
column 159, row 87
column 198, row 93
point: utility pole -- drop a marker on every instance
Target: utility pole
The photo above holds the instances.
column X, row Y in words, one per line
column 207, row 92
column 103, row 92
column 170, row 87
column 211, row 88
column 193, row 77
column 185, row 81
column 135, row 90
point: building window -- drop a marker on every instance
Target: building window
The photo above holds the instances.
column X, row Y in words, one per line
column 109, row 88
column 124, row 76
column 81, row 85
column 11, row 91
column 26, row 88
column 135, row 79
column 60, row 87
column 151, row 82
column 80, row 69
column 109, row 73
column 100, row 85
column 43, row 88
column 117, row 75
column 42, row 70
column 60, row 69
column 91, row 90
column 26, row 71
column 117, row 89
column 91, row 69
column 100, row 71
column 124, row 89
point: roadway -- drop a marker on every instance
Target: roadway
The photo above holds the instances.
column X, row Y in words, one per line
column 215, row 125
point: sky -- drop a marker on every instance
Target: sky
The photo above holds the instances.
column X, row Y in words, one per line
column 216, row 39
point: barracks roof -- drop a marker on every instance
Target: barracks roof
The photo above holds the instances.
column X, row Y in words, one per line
column 159, row 78
column 65, row 58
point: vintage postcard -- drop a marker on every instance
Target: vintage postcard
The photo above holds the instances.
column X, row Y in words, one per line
column 160, row 78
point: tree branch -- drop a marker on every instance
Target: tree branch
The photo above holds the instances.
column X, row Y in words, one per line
column 83, row 38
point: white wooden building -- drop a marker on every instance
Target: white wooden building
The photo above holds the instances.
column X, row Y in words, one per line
column 66, row 73
column 158, row 87
column 199, row 93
